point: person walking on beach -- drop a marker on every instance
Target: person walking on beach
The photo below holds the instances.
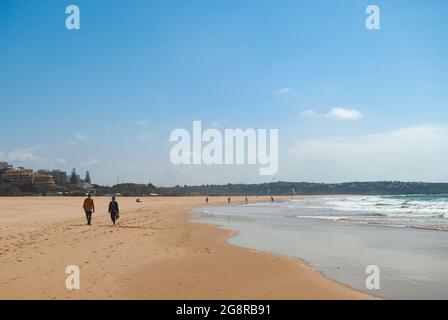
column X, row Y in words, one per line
column 228, row 200
column 113, row 210
column 206, row 200
column 89, row 208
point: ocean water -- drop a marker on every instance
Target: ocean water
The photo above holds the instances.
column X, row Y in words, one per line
column 405, row 236
column 416, row 211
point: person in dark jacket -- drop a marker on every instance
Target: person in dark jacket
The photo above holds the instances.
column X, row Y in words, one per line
column 113, row 210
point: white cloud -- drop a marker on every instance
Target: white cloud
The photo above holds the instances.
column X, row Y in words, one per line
column 414, row 153
column 21, row 156
column 33, row 155
column 344, row 114
column 60, row 161
column 309, row 114
column 145, row 136
column 30, row 155
column 141, row 123
column 334, row 113
column 36, row 147
column 90, row 161
column 25, row 155
column 81, row 137
column 285, row 91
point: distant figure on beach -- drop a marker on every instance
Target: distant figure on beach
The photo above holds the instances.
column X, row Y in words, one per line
column 245, row 200
column 228, row 200
column 272, row 199
column 113, row 210
column 89, row 208
column 206, row 200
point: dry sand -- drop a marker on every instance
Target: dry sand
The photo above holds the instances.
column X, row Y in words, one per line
column 154, row 253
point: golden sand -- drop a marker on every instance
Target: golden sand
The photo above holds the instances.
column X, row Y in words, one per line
column 153, row 253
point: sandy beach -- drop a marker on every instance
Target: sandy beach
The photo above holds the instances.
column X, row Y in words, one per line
column 155, row 252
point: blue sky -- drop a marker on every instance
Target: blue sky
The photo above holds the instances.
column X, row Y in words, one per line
column 106, row 97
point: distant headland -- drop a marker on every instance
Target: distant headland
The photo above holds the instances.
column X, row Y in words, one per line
column 26, row 182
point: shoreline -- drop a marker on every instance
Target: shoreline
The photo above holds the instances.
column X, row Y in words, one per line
column 156, row 252
column 233, row 233
column 412, row 262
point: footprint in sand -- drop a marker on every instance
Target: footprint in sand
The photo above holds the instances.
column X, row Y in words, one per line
column 207, row 250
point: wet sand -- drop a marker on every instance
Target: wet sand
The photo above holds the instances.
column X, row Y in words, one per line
column 412, row 262
column 155, row 252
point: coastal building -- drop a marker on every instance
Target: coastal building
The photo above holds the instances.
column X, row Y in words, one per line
column 86, row 186
column 43, row 181
column 74, row 178
column 19, row 176
column 59, row 177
